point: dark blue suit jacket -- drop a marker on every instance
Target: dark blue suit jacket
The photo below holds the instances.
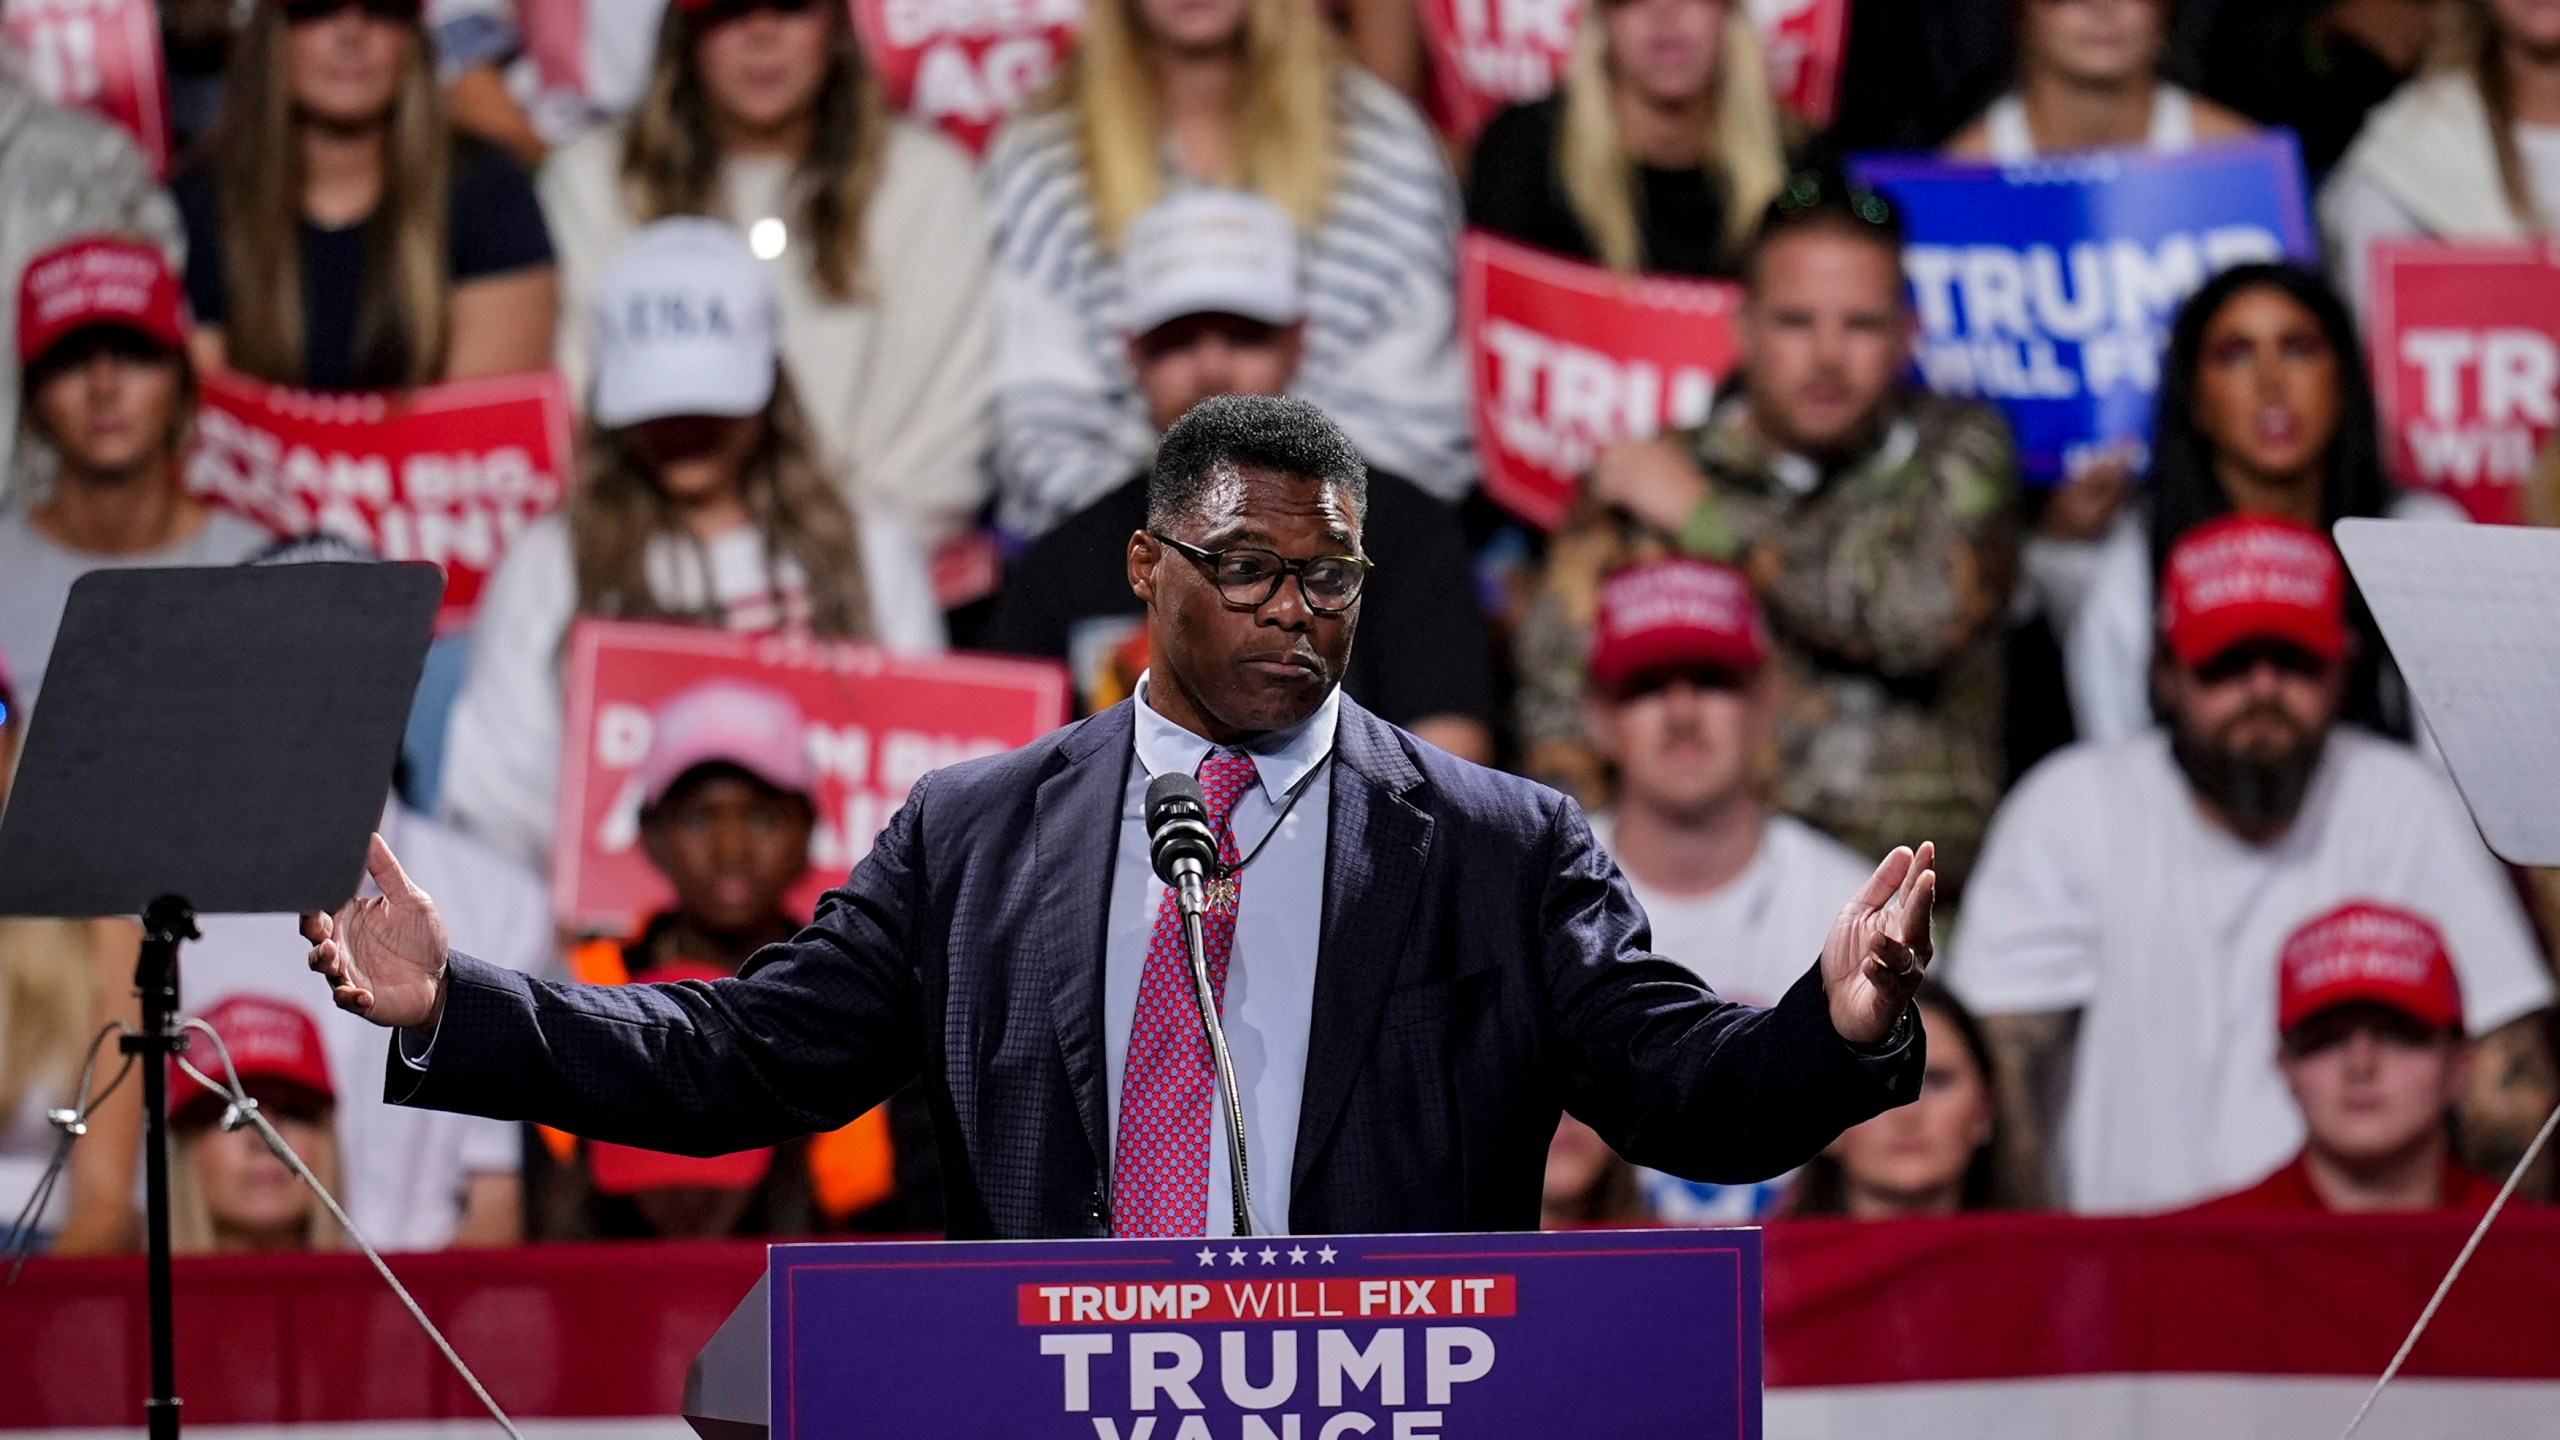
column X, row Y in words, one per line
column 1482, row 967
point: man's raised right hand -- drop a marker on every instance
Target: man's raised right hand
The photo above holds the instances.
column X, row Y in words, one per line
column 383, row 956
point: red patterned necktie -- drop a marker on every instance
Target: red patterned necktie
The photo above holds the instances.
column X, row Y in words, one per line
column 1160, row 1170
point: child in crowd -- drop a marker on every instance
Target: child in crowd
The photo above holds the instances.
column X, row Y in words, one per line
column 1165, row 94
column 339, row 235
column 2469, row 150
column 227, row 1190
column 728, row 803
column 1657, row 152
column 2266, row 409
column 2373, row 1049
column 110, row 397
column 1938, row 1155
column 765, row 114
column 703, row 499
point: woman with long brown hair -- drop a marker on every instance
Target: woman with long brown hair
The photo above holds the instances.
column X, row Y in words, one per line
column 2470, row 150
column 763, row 114
column 1165, row 95
column 2089, row 79
column 704, row 499
column 1656, row 154
column 339, row 236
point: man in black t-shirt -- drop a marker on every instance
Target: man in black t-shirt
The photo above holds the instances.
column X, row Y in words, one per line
column 1213, row 306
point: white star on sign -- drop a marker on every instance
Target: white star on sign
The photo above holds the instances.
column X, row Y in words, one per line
column 1326, row 1254
column 1297, row 1254
column 1208, row 1257
column 1236, row 1256
column 1270, row 1256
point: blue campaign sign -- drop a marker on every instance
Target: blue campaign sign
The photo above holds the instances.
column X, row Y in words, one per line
column 1444, row 1337
column 2049, row 287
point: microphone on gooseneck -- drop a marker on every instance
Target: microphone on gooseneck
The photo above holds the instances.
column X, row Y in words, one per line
column 1179, row 842
column 1183, row 851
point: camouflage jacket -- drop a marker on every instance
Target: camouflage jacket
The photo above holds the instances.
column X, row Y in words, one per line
column 1884, row 582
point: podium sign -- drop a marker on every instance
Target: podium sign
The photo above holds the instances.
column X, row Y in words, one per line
column 1400, row 1337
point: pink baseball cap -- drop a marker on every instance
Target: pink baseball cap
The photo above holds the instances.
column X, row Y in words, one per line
column 727, row 722
column 1675, row 613
column 2368, row 952
column 274, row 1046
column 2245, row 578
column 99, row 280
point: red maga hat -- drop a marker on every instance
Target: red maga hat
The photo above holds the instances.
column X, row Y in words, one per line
column 2244, row 578
column 99, row 280
column 1675, row 613
column 275, row 1047
column 2371, row 953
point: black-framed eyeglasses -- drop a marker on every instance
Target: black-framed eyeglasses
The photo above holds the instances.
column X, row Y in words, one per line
column 1249, row 578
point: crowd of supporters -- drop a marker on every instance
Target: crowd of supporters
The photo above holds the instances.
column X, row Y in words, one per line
column 2216, row 928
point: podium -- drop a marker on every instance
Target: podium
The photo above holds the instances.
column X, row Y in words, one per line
column 1381, row 1337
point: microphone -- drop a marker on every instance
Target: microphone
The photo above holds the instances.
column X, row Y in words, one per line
column 1179, row 843
column 1182, row 848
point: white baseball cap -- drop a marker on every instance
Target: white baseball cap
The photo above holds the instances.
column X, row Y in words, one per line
column 1205, row 251
column 687, row 323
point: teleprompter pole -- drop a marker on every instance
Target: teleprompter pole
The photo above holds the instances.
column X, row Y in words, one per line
column 165, row 925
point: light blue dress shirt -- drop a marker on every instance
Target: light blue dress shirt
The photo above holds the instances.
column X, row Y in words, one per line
column 1271, row 969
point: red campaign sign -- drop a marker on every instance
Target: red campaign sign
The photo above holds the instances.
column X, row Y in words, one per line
column 1568, row 357
column 877, row 722
column 102, row 56
column 1486, row 54
column 966, row 64
column 2465, row 349
column 451, row 473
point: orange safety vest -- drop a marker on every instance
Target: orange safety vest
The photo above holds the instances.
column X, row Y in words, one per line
column 850, row 1170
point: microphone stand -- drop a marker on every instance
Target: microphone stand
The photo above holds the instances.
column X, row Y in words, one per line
column 165, row 924
column 1191, row 899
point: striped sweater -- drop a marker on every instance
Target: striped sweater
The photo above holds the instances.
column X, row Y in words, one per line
column 1382, row 353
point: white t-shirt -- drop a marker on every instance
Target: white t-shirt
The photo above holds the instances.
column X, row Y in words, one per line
column 404, row 1171
column 502, row 755
column 2103, row 889
column 1751, row 939
column 2106, row 656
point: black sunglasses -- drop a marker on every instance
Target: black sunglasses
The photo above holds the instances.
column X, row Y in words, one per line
column 1249, row 578
column 306, row 12
column 2241, row 661
column 717, row 13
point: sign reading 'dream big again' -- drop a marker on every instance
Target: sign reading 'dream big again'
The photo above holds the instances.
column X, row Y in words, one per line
column 1445, row 1337
column 2049, row 287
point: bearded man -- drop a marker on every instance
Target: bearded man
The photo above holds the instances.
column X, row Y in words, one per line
column 2116, row 936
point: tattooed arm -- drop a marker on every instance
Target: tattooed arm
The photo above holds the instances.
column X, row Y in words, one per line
column 2513, row 1088
column 2031, row 1056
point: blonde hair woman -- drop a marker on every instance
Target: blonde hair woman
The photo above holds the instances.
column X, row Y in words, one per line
column 1171, row 94
column 2470, row 150
column 341, row 238
column 763, row 114
column 1657, row 153
column 227, row 1191
column 704, row 500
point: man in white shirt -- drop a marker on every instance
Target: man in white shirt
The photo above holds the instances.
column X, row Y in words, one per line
column 1677, row 701
column 2116, row 935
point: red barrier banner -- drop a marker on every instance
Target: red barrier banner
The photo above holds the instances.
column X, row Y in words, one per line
column 1568, row 357
column 102, row 56
column 966, row 64
column 1486, row 54
column 877, row 722
column 451, row 473
column 2465, row 349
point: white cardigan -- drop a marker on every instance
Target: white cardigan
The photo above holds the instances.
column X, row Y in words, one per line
column 898, row 382
column 2426, row 165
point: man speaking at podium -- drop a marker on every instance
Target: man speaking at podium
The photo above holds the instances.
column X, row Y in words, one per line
column 1419, row 962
